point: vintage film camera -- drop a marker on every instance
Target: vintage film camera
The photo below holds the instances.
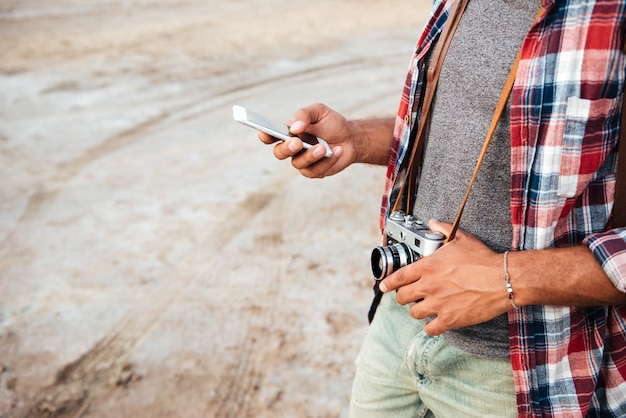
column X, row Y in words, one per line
column 408, row 239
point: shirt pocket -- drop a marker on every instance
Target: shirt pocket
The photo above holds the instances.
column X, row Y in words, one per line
column 591, row 131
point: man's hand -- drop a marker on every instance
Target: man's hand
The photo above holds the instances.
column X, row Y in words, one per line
column 462, row 283
column 323, row 122
column 352, row 141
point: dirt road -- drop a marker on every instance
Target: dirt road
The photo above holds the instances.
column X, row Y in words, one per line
column 155, row 260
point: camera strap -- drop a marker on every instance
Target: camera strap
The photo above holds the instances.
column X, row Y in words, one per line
column 619, row 205
column 433, row 73
column 497, row 114
column 432, row 78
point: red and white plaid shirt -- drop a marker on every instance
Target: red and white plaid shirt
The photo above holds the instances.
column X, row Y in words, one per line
column 565, row 112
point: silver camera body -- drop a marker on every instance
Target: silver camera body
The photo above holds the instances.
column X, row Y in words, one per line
column 407, row 240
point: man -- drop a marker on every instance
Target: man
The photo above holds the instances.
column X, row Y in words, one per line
column 522, row 312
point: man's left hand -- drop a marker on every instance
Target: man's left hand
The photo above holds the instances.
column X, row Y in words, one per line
column 462, row 283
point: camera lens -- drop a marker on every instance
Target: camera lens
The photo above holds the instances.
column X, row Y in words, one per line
column 386, row 260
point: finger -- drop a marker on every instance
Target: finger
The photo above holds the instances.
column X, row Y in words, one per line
column 314, row 166
column 446, row 229
column 437, row 226
column 309, row 157
column 402, row 277
column 421, row 310
column 297, row 126
column 435, row 327
column 305, row 117
column 410, row 293
column 288, row 149
column 267, row 139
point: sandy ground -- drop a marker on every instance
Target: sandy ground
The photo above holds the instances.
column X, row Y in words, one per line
column 155, row 260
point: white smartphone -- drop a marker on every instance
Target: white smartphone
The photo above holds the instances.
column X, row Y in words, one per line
column 263, row 124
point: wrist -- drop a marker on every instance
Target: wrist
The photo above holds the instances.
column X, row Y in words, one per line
column 372, row 140
column 359, row 140
column 569, row 276
column 510, row 293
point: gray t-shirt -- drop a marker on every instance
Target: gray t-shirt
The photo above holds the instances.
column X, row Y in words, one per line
column 479, row 59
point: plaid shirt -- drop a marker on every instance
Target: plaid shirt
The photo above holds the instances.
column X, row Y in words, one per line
column 565, row 112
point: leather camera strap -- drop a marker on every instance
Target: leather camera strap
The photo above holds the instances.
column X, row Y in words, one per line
column 619, row 206
column 433, row 72
column 433, row 76
column 497, row 114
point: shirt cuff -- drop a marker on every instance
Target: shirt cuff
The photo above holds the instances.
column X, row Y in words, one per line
column 609, row 248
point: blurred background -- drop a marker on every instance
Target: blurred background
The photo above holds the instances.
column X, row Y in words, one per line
column 155, row 259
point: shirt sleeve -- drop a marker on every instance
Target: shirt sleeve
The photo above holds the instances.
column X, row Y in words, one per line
column 609, row 248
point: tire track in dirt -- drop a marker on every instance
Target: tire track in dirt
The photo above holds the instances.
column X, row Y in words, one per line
column 46, row 192
column 107, row 365
column 239, row 394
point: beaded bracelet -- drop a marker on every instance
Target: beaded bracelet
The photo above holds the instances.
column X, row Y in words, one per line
column 507, row 280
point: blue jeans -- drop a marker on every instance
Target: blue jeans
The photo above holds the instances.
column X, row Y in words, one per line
column 404, row 373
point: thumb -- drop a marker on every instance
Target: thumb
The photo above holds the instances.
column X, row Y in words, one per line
column 443, row 227
column 307, row 116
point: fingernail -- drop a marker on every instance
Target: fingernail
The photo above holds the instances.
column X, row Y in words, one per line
column 382, row 287
column 319, row 151
column 294, row 146
column 297, row 126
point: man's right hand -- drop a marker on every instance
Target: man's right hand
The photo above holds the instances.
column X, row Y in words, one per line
column 323, row 122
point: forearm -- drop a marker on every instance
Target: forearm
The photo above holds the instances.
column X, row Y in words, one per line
column 373, row 139
column 564, row 276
